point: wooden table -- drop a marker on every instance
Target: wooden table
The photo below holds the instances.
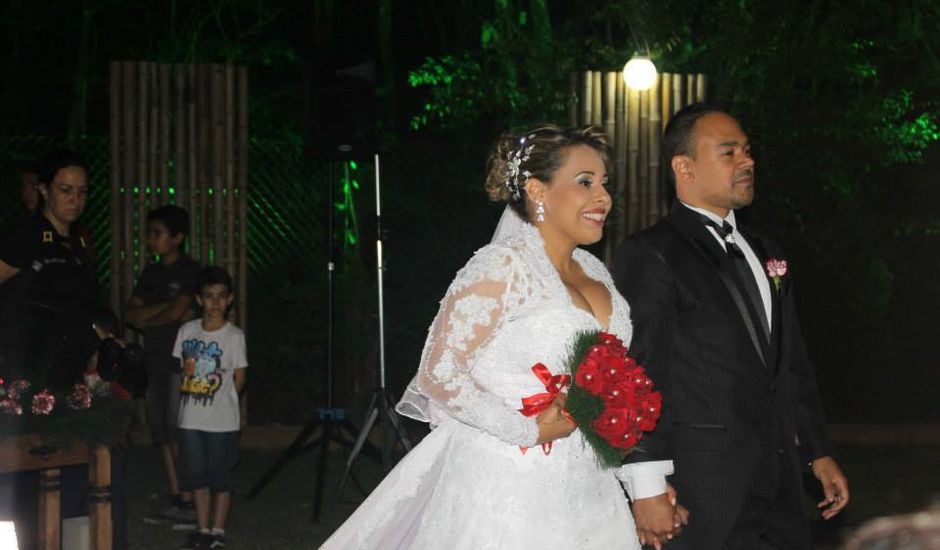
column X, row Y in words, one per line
column 27, row 452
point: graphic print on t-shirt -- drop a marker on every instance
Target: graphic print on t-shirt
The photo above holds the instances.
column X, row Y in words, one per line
column 202, row 371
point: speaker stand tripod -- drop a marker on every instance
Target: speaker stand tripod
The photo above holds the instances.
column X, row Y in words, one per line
column 331, row 421
column 380, row 407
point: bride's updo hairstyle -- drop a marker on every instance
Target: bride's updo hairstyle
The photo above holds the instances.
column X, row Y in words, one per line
column 537, row 153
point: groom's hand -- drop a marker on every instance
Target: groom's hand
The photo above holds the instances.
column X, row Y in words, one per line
column 835, row 486
column 655, row 519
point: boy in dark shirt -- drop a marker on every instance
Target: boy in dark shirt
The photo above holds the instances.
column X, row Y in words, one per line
column 162, row 300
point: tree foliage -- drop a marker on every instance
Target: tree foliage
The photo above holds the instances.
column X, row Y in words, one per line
column 835, row 95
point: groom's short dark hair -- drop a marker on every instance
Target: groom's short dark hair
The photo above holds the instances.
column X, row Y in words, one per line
column 677, row 138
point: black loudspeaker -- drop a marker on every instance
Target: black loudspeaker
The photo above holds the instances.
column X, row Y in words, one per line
column 343, row 114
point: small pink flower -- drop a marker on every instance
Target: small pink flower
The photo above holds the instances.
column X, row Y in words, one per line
column 80, row 397
column 17, row 388
column 43, row 403
column 776, row 269
column 11, row 406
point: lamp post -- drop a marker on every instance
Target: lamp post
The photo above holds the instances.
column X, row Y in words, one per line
column 639, row 73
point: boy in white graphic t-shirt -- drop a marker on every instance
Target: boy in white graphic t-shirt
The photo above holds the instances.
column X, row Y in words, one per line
column 212, row 352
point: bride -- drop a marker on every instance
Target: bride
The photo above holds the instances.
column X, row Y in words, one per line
column 519, row 301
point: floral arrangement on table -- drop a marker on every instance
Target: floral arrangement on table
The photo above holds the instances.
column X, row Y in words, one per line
column 61, row 416
column 611, row 398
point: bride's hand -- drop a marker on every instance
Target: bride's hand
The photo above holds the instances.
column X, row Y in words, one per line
column 553, row 424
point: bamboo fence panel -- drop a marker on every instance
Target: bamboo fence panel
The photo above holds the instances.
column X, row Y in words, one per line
column 634, row 122
column 653, row 131
column 179, row 135
column 677, row 92
column 619, row 146
column 573, row 99
column 633, row 155
column 642, row 162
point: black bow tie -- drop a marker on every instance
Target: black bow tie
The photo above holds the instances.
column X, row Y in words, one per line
column 726, row 232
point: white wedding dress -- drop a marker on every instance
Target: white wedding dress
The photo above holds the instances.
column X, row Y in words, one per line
column 467, row 485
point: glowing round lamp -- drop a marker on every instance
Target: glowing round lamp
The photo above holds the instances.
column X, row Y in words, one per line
column 639, row 73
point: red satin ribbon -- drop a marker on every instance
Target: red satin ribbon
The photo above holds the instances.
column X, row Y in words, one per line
column 534, row 404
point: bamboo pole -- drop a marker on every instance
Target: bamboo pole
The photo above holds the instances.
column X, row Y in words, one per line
column 620, row 186
column 573, row 101
column 243, row 198
column 677, row 102
column 665, row 86
column 596, row 102
column 203, row 162
column 586, row 103
column 128, row 176
column 179, row 136
column 114, row 97
column 150, row 188
column 610, row 104
column 142, row 171
column 192, row 154
column 655, row 132
column 164, row 158
column 633, row 155
column 689, row 89
column 642, row 162
column 230, row 210
column 218, row 162
column 700, row 87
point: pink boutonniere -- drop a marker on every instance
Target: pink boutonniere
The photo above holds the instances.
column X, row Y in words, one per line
column 776, row 270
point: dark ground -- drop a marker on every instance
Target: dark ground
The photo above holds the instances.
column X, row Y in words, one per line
column 885, row 478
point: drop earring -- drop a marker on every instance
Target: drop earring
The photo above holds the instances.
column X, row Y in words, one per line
column 539, row 212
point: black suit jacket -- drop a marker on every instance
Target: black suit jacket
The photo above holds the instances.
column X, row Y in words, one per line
column 734, row 404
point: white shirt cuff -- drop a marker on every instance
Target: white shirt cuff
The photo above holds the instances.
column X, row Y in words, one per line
column 645, row 479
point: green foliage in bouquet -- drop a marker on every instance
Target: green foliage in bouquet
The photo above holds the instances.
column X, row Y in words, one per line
column 584, row 407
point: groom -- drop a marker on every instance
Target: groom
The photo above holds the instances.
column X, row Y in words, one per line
column 719, row 336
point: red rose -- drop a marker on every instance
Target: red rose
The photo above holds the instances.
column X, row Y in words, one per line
column 613, row 368
column 612, row 424
column 627, row 440
column 650, row 407
column 620, row 394
column 589, row 377
column 641, row 383
column 597, row 352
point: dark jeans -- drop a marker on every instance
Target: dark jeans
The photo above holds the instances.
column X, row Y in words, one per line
column 207, row 459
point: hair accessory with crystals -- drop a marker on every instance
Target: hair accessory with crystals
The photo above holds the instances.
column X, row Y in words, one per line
column 516, row 157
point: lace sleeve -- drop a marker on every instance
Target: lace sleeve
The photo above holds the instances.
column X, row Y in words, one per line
column 471, row 312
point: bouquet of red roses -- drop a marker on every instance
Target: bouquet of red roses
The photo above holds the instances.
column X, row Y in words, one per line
column 611, row 399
